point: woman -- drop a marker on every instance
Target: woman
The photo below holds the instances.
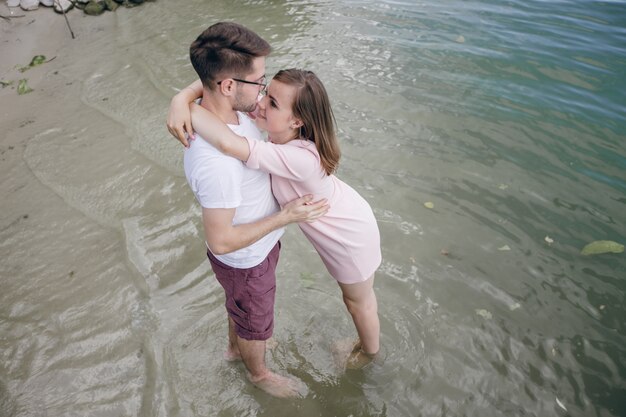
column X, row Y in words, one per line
column 302, row 155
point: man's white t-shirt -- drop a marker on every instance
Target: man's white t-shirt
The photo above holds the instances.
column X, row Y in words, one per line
column 221, row 181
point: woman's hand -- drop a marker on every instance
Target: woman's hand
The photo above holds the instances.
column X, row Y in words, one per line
column 179, row 116
column 304, row 209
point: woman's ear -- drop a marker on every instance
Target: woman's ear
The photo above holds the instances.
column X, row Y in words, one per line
column 296, row 124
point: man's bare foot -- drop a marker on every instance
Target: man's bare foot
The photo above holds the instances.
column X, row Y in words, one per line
column 280, row 386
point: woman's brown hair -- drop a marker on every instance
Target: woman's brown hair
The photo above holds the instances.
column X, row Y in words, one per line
column 312, row 106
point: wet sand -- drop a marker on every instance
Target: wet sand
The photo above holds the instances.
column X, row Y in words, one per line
column 55, row 99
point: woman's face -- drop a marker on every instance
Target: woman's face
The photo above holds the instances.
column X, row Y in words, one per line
column 275, row 115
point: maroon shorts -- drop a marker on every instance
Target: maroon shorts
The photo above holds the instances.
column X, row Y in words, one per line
column 250, row 295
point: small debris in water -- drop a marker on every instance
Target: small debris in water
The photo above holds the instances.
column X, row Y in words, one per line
column 429, row 205
column 484, row 313
column 514, row 306
column 23, row 87
column 560, row 404
column 549, row 240
column 37, row 60
column 504, row 248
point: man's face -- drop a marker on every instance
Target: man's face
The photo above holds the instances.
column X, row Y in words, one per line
column 247, row 94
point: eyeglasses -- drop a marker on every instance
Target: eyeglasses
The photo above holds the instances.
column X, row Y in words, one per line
column 262, row 84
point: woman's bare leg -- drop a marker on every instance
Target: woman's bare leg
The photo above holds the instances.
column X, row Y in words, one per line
column 361, row 303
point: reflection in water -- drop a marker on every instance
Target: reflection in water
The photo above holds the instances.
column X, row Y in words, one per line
column 508, row 119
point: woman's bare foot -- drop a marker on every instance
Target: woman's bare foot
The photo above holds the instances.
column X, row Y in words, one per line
column 280, row 386
column 358, row 359
column 348, row 354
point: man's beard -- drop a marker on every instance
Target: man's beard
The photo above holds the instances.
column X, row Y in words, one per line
column 242, row 106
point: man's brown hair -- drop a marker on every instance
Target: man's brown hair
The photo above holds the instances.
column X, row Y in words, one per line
column 226, row 49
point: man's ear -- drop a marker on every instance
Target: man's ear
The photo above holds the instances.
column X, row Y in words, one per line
column 227, row 87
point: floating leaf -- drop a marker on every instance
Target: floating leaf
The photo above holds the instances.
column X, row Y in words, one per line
column 504, row 248
column 23, row 88
column 460, row 39
column 503, row 186
column 429, row 205
column 514, row 306
column 484, row 313
column 549, row 240
column 602, row 246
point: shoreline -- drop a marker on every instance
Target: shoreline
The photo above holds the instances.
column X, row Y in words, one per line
column 56, row 84
column 41, row 32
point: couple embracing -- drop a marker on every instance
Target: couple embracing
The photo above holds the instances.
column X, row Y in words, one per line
column 250, row 189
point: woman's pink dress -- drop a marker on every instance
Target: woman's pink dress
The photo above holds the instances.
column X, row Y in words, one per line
column 347, row 237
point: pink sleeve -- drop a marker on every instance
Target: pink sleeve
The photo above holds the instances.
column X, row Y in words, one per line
column 293, row 162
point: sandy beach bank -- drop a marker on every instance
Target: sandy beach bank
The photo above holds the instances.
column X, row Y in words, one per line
column 56, row 84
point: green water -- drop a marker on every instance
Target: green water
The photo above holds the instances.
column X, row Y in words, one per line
column 508, row 116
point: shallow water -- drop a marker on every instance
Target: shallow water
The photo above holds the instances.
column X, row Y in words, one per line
column 508, row 117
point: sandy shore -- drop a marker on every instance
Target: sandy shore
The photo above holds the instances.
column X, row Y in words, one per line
column 56, row 84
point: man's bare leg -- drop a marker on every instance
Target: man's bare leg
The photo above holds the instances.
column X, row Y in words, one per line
column 253, row 355
column 232, row 352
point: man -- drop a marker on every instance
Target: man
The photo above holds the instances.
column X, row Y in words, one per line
column 242, row 221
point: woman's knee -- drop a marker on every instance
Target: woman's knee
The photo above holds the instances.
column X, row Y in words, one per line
column 362, row 304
